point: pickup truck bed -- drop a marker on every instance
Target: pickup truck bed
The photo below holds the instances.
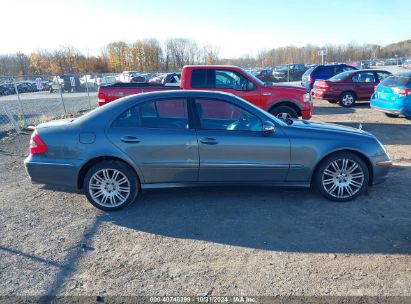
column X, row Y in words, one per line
column 111, row 92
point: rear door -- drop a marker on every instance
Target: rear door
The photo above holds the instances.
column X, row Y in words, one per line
column 157, row 136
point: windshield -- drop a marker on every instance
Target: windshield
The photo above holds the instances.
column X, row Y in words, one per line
column 340, row 76
column 252, row 77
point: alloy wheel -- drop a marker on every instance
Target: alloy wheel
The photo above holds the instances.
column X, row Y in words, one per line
column 348, row 100
column 109, row 187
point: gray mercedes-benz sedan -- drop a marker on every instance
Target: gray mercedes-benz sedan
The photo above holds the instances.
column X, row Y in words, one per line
column 195, row 138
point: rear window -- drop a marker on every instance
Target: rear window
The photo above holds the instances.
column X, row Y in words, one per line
column 396, row 81
column 309, row 71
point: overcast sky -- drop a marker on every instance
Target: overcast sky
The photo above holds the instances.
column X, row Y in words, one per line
column 238, row 27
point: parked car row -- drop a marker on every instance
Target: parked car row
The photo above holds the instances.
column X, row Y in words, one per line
column 23, row 87
column 388, row 93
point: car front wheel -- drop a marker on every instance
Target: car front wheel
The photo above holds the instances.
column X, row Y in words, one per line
column 111, row 185
column 341, row 177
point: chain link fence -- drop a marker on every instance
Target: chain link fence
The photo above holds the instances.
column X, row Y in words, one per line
column 30, row 100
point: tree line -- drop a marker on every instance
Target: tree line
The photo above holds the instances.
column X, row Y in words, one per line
column 149, row 55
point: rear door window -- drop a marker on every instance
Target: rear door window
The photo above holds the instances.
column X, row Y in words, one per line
column 164, row 114
column 364, row 77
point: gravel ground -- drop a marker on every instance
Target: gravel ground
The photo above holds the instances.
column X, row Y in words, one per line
column 214, row 241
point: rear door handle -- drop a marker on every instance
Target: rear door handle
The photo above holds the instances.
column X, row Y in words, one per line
column 209, row 141
column 129, row 139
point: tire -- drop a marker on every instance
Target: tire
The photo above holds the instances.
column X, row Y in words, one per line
column 347, row 99
column 284, row 112
column 334, row 180
column 392, row 115
column 102, row 182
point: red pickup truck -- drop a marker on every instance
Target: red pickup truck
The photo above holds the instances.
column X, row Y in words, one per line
column 283, row 101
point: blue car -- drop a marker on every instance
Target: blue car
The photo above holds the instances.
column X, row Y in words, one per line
column 393, row 96
column 323, row 72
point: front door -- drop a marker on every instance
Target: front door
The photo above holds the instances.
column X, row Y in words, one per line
column 157, row 137
column 233, row 147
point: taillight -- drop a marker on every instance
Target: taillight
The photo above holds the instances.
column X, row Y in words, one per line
column 37, row 146
column 101, row 99
column 309, row 79
column 402, row 92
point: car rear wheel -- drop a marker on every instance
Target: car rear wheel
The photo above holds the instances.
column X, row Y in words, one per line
column 347, row 100
column 341, row 177
column 284, row 113
column 111, row 185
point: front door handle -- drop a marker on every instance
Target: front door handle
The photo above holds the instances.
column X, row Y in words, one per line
column 129, row 139
column 209, row 141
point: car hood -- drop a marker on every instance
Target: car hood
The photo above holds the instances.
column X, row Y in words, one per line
column 320, row 126
column 55, row 123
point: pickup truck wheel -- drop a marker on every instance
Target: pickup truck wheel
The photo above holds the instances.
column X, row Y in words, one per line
column 284, row 113
column 347, row 100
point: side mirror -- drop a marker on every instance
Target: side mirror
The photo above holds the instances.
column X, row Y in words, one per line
column 250, row 86
column 268, row 127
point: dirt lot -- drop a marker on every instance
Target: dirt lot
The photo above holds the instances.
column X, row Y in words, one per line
column 216, row 241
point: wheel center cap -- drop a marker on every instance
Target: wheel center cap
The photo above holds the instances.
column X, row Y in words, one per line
column 110, row 187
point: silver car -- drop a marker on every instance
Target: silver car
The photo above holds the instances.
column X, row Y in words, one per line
column 196, row 138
